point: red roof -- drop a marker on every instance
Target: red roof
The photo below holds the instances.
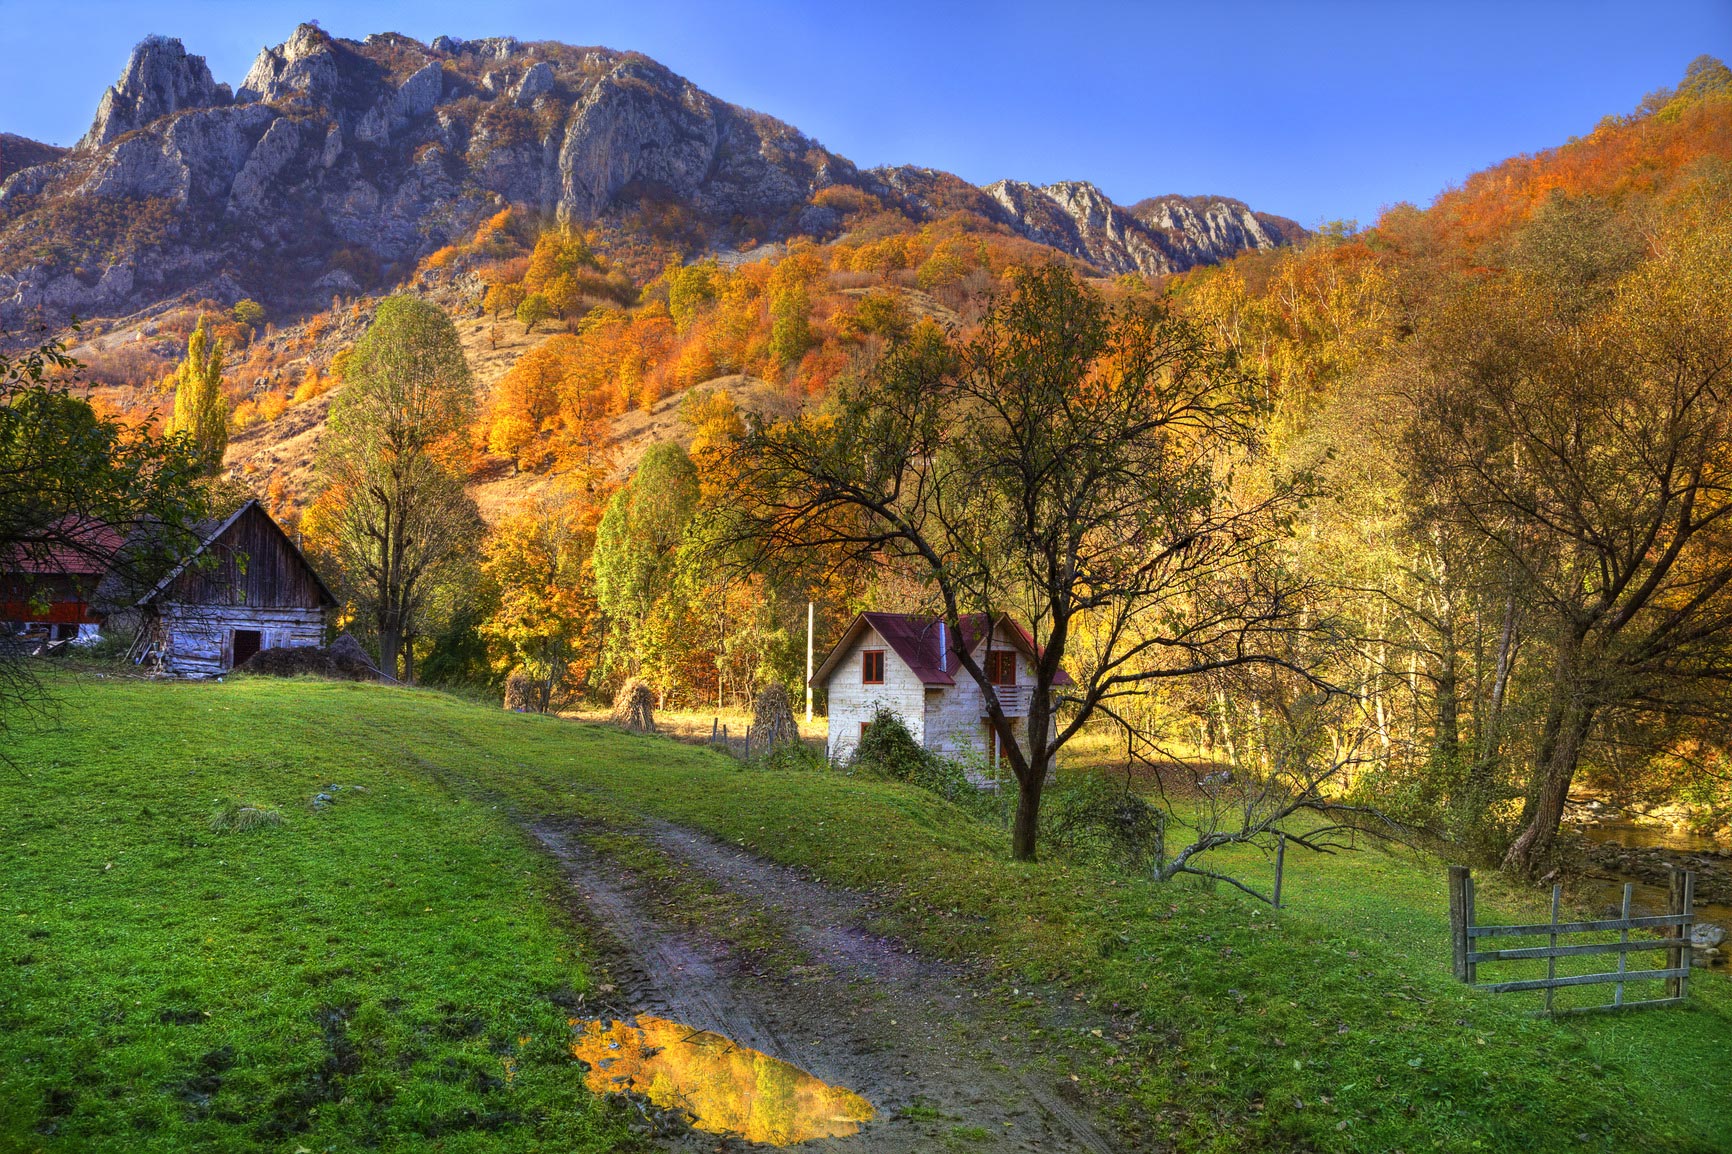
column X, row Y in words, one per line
column 74, row 546
column 924, row 645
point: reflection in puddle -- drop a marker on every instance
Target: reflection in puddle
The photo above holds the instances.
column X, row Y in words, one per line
column 725, row 1087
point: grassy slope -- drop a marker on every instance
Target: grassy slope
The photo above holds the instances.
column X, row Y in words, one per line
column 367, row 974
column 1334, row 1025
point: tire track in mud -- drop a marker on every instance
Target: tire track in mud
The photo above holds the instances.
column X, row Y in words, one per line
column 861, row 1011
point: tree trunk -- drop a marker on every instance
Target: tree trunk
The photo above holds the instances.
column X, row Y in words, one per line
column 390, row 643
column 1482, row 778
column 1026, row 826
column 1447, row 738
column 1568, row 719
column 1546, row 802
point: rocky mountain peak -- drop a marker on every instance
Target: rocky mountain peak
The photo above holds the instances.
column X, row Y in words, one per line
column 160, row 78
column 339, row 164
column 1156, row 236
column 304, row 64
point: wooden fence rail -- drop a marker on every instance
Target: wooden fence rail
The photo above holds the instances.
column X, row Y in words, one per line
column 1466, row 932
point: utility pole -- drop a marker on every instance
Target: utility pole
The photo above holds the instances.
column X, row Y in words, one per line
column 810, row 613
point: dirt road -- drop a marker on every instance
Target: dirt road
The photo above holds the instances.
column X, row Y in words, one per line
column 925, row 1043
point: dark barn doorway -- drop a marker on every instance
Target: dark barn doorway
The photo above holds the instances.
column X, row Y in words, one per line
column 247, row 643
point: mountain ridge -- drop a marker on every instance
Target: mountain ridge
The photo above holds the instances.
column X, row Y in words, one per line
column 336, row 164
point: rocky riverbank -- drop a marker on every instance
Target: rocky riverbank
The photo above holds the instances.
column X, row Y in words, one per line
column 1599, row 845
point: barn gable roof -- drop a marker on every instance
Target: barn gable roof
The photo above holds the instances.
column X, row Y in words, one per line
column 210, row 537
column 916, row 640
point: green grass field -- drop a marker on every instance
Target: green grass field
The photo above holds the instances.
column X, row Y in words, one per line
column 393, row 971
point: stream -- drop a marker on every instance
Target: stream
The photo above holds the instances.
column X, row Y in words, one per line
column 1619, row 850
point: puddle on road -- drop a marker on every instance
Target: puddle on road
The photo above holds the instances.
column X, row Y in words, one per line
column 726, row 1088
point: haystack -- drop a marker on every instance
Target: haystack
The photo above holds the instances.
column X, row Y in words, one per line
column 525, row 694
column 345, row 660
column 632, row 709
column 772, row 720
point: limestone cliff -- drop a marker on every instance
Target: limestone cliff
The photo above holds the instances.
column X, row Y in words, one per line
column 336, row 164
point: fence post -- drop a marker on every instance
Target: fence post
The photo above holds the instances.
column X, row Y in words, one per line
column 1460, row 886
column 1681, row 897
column 1623, row 937
column 1689, row 913
column 1280, row 863
column 715, row 723
column 1552, row 962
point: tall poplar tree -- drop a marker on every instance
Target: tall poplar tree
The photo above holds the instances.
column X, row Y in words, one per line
column 200, row 412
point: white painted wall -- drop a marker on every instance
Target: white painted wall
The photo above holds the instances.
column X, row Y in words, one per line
column 852, row 703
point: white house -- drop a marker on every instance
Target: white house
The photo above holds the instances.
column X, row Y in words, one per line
column 913, row 666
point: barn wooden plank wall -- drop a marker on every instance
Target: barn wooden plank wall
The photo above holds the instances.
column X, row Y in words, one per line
column 252, row 564
column 198, row 640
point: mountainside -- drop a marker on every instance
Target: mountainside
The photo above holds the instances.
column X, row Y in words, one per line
column 19, row 152
column 335, row 165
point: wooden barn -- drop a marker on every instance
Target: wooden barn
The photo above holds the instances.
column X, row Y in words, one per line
column 247, row 587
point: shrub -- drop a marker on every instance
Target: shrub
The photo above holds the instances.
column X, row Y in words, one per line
column 232, row 816
column 1090, row 816
column 789, row 756
column 887, row 749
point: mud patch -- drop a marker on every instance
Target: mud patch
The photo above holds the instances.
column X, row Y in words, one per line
column 913, row 1037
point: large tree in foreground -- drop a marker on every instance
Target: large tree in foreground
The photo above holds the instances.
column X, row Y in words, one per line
column 1071, row 464
column 1582, row 433
column 393, row 510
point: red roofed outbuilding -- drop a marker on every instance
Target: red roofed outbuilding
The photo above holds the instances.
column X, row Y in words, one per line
column 51, row 585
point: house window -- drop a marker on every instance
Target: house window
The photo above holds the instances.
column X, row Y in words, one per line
column 863, row 726
column 872, row 667
column 1001, row 666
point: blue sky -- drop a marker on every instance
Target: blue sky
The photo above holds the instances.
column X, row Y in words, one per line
column 1318, row 111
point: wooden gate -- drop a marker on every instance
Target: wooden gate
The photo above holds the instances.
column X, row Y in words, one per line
column 1675, row 942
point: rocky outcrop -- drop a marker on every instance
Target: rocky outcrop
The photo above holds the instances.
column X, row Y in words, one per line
column 1162, row 235
column 337, row 164
column 537, row 82
column 303, row 65
column 159, row 79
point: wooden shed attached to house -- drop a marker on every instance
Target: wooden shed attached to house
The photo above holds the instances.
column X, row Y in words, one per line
column 912, row 665
column 246, row 587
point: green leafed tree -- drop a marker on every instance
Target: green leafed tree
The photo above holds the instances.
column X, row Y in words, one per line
column 637, row 550
column 200, row 412
column 73, row 485
column 534, row 309
column 393, row 509
column 249, row 312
